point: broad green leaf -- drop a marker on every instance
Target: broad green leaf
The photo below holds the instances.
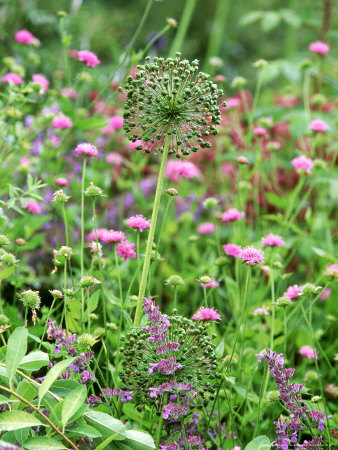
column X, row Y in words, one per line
column 4, row 400
column 91, row 124
column 15, row 420
column 43, row 443
column 64, row 387
column 85, row 430
column 139, row 440
column 106, row 424
column 34, row 361
column 259, row 443
column 74, row 400
column 27, row 390
column 107, row 441
column 52, row 375
column 250, row 18
column 270, row 21
column 4, row 273
column 291, row 18
column 16, row 350
column 220, row 349
column 21, row 435
column 277, row 200
column 94, row 301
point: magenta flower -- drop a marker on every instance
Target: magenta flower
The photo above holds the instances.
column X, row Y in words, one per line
column 303, row 163
column 69, row 92
column 126, row 250
column 232, row 250
column 138, row 222
column 261, row 311
column 319, row 125
column 319, row 47
column 332, row 271
column 206, row 314
column 206, row 228
column 62, row 181
column 112, row 236
column 86, row 149
column 273, row 240
column 88, row 57
column 252, row 255
column 293, row 291
column 25, row 37
column 186, row 169
column 61, row 121
column 114, row 158
column 259, row 131
column 133, row 145
column 115, row 123
column 12, row 77
column 325, row 294
column 232, row 214
column 42, row 81
column 233, row 102
column 33, row 207
column 212, row 284
column 308, row 352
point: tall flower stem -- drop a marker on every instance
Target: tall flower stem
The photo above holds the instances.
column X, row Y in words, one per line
column 160, row 425
column 46, row 324
column 205, row 296
column 183, row 26
column 82, row 237
column 147, row 256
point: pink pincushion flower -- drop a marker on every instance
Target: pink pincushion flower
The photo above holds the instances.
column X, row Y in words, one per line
column 232, row 214
column 62, row 181
column 261, row 311
column 88, row 57
column 61, row 121
column 25, row 37
column 319, row 125
column 114, row 158
column 325, row 294
column 273, row 240
column 86, row 149
column 115, row 123
column 293, row 291
column 212, row 284
column 252, row 255
column 112, row 236
column 138, row 222
column 186, row 169
column 303, row 163
column 12, row 77
column 126, row 250
column 206, row 314
column 319, row 47
column 206, row 228
column 69, row 92
column 332, row 271
column 259, row 131
column 308, row 352
column 33, row 207
column 42, row 81
column 101, row 232
column 232, row 250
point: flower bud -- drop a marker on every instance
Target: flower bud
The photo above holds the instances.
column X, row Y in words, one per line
column 8, row 258
column 273, row 396
column 238, row 82
column 318, row 100
column 174, row 281
column 219, row 78
column 111, row 326
column 260, row 63
column 320, row 164
column 305, row 65
column 30, row 299
column 88, row 280
column 242, row 160
column 56, row 293
column 215, row 61
column 69, row 292
column 311, row 375
column 210, row 203
column 316, row 399
column 86, row 341
column 93, row 191
column 99, row 332
column 60, row 197
column 20, row 241
column 172, row 22
column 283, row 301
column 205, row 279
column 310, row 289
column 172, row 192
column 62, row 255
column 4, row 240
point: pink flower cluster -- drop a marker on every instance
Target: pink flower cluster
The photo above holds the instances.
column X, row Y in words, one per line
column 252, row 255
column 12, row 77
column 319, row 125
column 212, row 284
column 186, row 169
column 206, row 228
column 126, row 250
column 88, row 57
column 138, row 222
column 86, row 149
column 232, row 250
column 293, row 291
column 260, row 131
column 25, row 37
column 61, row 121
column 261, row 311
column 303, row 163
column 206, row 314
column 33, row 207
column 232, row 214
column 308, row 352
column 319, row 47
column 273, row 240
column 115, row 123
column 42, row 81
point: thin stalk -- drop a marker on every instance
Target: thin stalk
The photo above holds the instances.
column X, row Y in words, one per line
column 151, row 235
column 82, row 237
column 154, row 39
column 65, row 223
column 175, row 297
column 306, row 95
column 160, row 425
column 205, row 296
column 183, row 27
column 285, row 330
column 46, row 324
column 138, row 256
column 254, row 105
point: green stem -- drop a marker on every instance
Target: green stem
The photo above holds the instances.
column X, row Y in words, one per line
column 65, row 223
column 46, row 324
column 82, row 237
column 272, row 331
column 160, row 425
column 152, row 228
column 154, row 39
column 306, row 95
column 205, row 296
column 183, row 27
column 175, row 297
column 285, row 330
column 138, row 256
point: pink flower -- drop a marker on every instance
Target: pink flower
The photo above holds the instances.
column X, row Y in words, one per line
column 88, row 57
column 133, row 145
column 293, row 291
column 232, row 250
column 259, row 131
column 332, row 271
column 325, row 294
column 232, row 214
column 319, row 125
column 86, row 149
column 206, row 314
column 61, row 121
column 62, row 181
column 69, row 92
column 126, row 250
column 101, row 232
column 114, row 158
column 251, row 255
column 186, row 169
column 206, row 228
column 138, row 222
column 233, row 102
column 115, row 123
column 319, row 47
column 212, row 284
column 112, row 236
column 303, row 163
column 308, row 352
column 12, row 78
column 261, row 311
column 42, row 81
column 25, row 37
column 273, row 240
column 33, row 207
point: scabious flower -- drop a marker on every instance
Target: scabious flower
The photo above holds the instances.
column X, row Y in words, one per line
column 261, row 311
column 12, row 77
column 273, row 240
column 319, row 125
column 232, row 214
column 40, row 79
column 126, row 250
column 110, row 236
column 138, row 222
column 325, row 294
column 86, row 149
column 69, row 92
column 332, row 271
column 114, row 158
column 293, row 291
column 303, row 163
column 115, row 123
column 206, row 314
column 61, row 121
column 319, row 47
column 62, row 181
column 211, row 284
column 259, row 131
column 88, row 57
column 206, row 228
column 170, row 98
column 232, row 250
column 252, row 255
column 186, row 169
column 33, row 207
column 25, row 37
column 308, row 352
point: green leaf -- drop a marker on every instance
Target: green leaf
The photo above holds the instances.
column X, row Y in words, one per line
column 106, row 424
column 4, row 400
column 43, row 443
column 259, row 443
column 16, row 350
column 64, row 387
column 74, row 400
column 291, row 18
column 270, row 21
column 250, row 18
column 27, row 390
column 277, row 200
column 107, row 441
column 220, row 349
column 53, row 374
column 15, row 420
column 6, row 272
column 85, row 430
column 94, row 301
column 91, row 124
column 34, row 361
column 139, row 440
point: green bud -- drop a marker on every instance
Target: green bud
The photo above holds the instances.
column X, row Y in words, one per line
column 320, row 164
column 4, row 240
column 210, row 203
column 205, row 279
column 85, row 341
column 273, row 396
column 316, row 399
column 310, row 289
column 56, row 293
column 238, row 82
column 93, row 191
column 311, row 375
column 88, row 280
column 60, row 197
column 260, row 63
column 172, row 22
column 283, row 301
column 69, row 292
column 8, row 258
column 174, row 281
column 30, row 299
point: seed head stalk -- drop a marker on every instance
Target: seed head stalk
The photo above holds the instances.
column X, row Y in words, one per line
column 82, row 237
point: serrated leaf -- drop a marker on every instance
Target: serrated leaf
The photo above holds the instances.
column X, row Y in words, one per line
column 43, row 443
column 34, row 361
column 16, row 350
column 106, row 424
column 74, row 400
column 52, row 375
column 259, row 443
column 15, row 420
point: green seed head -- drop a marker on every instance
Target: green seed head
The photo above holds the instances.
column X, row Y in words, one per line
column 4, row 240
column 30, row 299
column 60, row 197
column 93, row 191
column 174, row 281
